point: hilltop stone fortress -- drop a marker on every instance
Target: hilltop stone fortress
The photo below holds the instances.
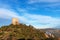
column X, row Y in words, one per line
column 15, row 21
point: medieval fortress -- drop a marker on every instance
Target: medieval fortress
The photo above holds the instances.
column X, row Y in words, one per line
column 15, row 21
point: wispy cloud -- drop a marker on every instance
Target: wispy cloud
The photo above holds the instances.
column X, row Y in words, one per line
column 36, row 1
column 42, row 21
column 39, row 21
column 45, row 3
column 9, row 14
column 5, row 13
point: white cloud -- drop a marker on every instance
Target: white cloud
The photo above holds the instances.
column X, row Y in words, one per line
column 38, row 21
column 41, row 21
column 48, row 3
column 5, row 13
column 9, row 14
column 36, row 1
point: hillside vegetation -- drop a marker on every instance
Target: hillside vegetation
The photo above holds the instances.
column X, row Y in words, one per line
column 21, row 31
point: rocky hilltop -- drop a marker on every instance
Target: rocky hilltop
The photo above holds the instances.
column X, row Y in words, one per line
column 22, row 32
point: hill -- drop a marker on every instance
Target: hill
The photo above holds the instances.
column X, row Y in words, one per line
column 21, row 32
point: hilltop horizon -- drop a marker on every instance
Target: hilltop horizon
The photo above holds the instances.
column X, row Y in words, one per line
column 28, row 25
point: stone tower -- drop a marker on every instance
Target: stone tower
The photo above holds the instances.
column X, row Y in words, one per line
column 15, row 21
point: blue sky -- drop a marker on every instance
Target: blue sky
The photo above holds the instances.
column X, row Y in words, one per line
column 39, row 13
